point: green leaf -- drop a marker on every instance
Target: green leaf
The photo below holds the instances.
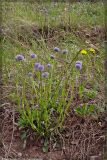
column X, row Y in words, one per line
column 45, row 147
column 23, row 136
column 85, row 109
column 91, row 108
column 78, row 110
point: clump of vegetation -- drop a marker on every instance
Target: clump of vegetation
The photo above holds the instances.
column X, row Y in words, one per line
column 45, row 88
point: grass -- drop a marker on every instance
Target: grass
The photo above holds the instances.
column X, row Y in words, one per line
column 84, row 13
column 43, row 103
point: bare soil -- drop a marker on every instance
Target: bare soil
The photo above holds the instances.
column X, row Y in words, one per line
column 80, row 139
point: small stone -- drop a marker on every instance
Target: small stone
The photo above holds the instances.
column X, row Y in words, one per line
column 106, row 119
column 87, row 35
column 19, row 154
column 94, row 158
column 87, row 42
column 103, row 138
column 24, row 144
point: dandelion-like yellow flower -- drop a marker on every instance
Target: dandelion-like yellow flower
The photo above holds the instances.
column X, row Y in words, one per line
column 83, row 51
column 92, row 50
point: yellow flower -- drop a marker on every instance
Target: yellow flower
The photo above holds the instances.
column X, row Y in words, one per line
column 83, row 51
column 92, row 50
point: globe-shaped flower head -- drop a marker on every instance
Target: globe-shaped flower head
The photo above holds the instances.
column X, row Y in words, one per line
column 52, row 56
column 33, row 55
column 36, row 66
column 45, row 74
column 19, row 57
column 49, row 65
column 56, row 49
column 41, row 67
column 78, row 65
column 65, row 51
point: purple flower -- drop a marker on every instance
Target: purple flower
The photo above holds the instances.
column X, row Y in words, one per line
column 56, row 49
column 37, row 65
column 49, row 65
column 78, row 62
column 33, row 55
column 78, row 65
column 52, row 56
column 41, row 67
column 65, row 51
column 19, row 57
column 45, row 74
